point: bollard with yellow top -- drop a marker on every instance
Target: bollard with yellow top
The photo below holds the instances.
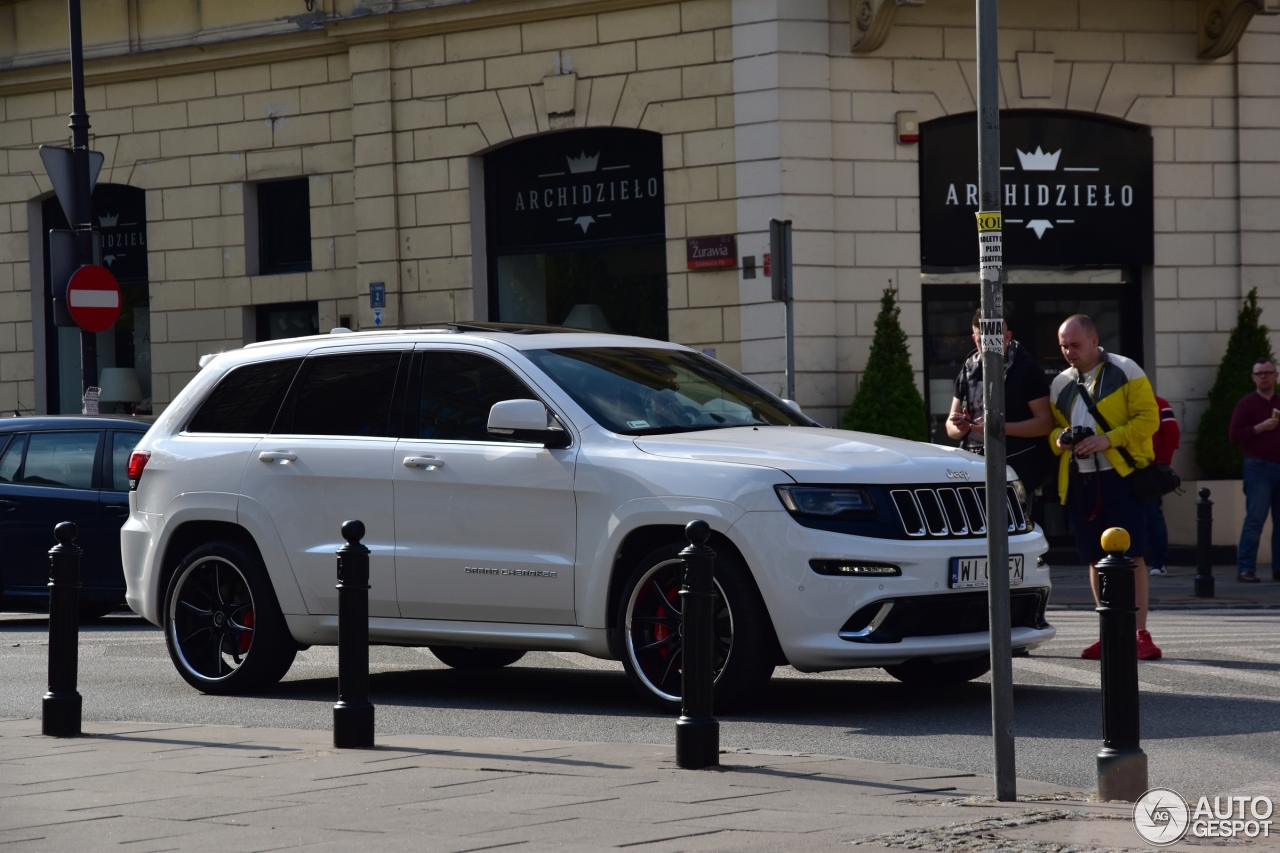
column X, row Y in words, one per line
column 1122, row 765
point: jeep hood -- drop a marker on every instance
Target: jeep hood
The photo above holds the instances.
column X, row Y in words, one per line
column 816, row 455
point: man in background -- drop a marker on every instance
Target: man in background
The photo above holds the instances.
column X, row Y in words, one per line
column 1164, row 443
column 1253, row 427
column 1026, row 409
column 1096, row 460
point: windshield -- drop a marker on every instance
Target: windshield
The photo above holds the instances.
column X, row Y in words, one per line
column 651, row 391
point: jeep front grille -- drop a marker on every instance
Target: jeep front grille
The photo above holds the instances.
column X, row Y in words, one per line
column 948, row 511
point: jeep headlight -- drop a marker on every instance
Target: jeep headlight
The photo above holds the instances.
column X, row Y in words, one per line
column 825, row 501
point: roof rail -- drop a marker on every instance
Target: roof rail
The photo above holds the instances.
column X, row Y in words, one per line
column 516, row 328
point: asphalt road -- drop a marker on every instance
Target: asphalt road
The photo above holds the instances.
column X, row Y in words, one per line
column 1211, row 708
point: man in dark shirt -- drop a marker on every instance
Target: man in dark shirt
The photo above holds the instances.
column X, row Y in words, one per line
column 1026, row 407
column 1253, row 427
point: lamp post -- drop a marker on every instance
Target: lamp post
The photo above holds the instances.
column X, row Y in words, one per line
column 991, row 263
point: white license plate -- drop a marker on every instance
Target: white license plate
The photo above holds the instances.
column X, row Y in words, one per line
column 967, row 572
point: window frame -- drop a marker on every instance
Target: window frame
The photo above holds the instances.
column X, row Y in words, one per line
column 412, row 405
column 95, row 476
column 284, row 421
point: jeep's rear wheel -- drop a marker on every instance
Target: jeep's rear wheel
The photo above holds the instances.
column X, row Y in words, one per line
column 223, row 626
column 649, row 621
column 469, row 657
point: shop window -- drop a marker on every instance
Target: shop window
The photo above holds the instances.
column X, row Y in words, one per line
column 575, row 231
column 284, row 227
column 287, row 320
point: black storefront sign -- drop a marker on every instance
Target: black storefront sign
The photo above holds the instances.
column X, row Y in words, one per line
column 120, row 216
column 575, row 187
column 1076, row 190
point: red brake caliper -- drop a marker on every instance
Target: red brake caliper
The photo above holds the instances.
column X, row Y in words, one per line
column 661, row 632
column 246, row 638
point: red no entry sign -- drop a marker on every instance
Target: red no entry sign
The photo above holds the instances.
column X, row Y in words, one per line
column 93, row 298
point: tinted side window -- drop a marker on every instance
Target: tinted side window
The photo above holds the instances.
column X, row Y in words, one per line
column 458, row 389
column 247, row 398
column 61, row 459
column 12, row 459
column 346, row 395
column 122, row 444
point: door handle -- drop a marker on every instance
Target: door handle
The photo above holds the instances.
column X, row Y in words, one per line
column 116, row 509
column 8, row 505
column 277, row 456
column 428, row 462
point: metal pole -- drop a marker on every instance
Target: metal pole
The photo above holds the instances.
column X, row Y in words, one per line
column 82, row 207
column 1204, row 546
column 992, row 266
column 1122, row 765
column 60, row 709
column 697, row 732
column 353, row 715
column 791, row 325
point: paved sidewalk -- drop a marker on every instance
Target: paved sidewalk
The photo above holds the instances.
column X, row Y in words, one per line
column 1174, row 591
column 148, row 787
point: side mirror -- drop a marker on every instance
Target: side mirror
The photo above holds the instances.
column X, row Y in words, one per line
column 795, row 407
column 526, row 420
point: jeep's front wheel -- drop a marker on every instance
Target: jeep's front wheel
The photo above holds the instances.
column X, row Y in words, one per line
column 223, row 625
column 648, row 618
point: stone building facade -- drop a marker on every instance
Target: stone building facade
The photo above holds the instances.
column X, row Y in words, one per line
column 763, row 108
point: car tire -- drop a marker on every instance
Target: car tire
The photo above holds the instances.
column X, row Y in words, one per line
column 471, row 658
column 745, row 645
column 222, row 623
column 925, row 672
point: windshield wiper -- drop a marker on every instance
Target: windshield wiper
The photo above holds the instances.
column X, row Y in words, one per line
column 674, row 428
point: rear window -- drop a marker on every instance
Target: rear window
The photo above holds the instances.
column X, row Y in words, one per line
column 247, row 399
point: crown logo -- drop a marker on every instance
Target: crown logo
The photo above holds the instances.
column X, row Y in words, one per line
column 583, row 163
column 1039, row 161
column 108, row 220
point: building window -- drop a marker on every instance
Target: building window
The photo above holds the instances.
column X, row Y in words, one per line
column 287, row 320
column 284, row 227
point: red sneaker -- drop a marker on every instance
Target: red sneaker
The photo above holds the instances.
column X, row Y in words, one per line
column 1147, row 650
column 1094, row 652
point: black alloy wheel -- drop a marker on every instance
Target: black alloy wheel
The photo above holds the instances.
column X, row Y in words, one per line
column 223, row 627
column 649, row 619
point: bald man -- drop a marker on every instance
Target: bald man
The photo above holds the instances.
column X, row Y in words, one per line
column 1093, row 472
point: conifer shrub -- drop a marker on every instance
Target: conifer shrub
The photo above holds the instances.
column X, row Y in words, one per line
column 1218, row 458
column 888, row 401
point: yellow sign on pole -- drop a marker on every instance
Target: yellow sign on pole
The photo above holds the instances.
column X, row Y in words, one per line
column 989, row 221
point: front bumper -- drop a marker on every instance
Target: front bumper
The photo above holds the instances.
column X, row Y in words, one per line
column 810, row 611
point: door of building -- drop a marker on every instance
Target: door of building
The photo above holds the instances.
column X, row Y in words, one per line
column 120, row 215
column 1034, row 312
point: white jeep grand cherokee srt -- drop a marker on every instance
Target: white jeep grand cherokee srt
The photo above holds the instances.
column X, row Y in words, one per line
column 527, row 488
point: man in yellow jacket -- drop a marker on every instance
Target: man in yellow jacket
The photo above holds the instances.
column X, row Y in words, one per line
column 1092, row 472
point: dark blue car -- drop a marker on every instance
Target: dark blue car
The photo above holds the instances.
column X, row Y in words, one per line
column 54, row 469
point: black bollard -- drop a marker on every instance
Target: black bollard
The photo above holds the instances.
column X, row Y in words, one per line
column 1122, row 765
column 60, row 711
column 1204, row 546
column 353, row 715
column 697, row 732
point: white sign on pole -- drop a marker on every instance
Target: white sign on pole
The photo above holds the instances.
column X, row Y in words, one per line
column 58, row 162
